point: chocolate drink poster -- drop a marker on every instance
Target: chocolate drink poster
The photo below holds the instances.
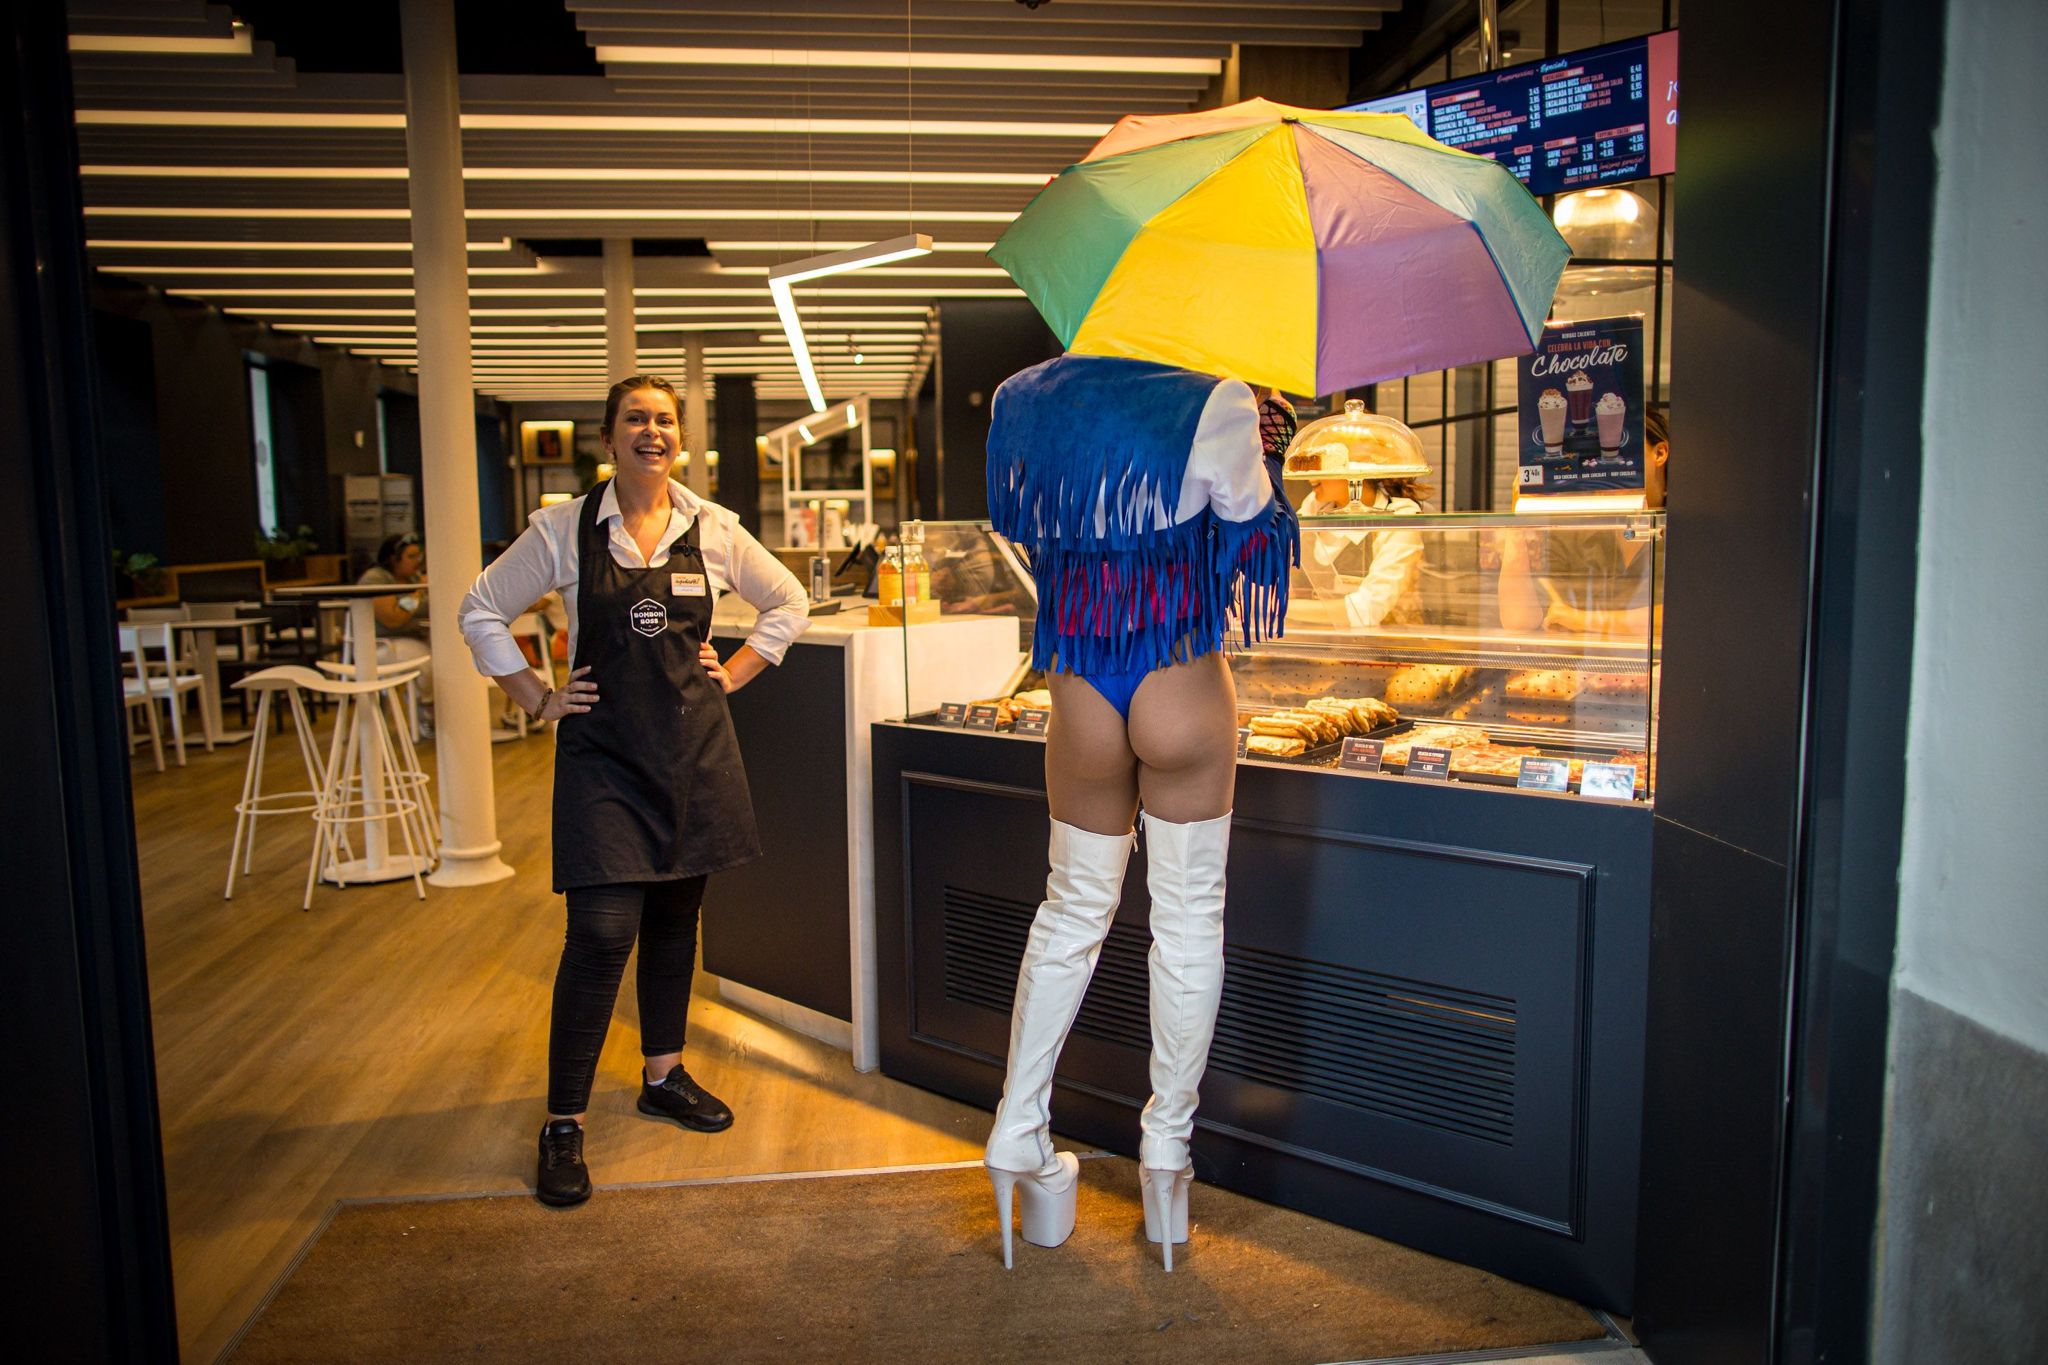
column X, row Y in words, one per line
column 1581, row 409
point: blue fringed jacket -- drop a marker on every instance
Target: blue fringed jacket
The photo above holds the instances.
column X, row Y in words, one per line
column 1142, row 496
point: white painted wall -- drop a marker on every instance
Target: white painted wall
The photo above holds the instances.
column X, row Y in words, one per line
column 1973, row 904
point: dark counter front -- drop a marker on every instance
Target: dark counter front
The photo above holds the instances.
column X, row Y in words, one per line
column 779, row 924
column 1433, row 998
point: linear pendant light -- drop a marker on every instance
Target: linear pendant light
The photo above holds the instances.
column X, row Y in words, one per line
column 784, row 278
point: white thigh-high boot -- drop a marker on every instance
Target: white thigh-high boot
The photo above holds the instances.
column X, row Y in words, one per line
column 1184, row 872
column 1081, row 894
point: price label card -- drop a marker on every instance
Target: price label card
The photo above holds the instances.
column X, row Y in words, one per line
column 1242, row 737
column 1609, row 781
column 1032, row 720
column 1544, row 775
column 953, row 713
column 986, row 716
column 1361, row 755
column 1426, row 761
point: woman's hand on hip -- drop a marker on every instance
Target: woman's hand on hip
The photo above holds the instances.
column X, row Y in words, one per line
column 708, row 656
column 572, row 698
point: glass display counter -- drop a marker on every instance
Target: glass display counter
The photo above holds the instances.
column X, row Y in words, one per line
column 1495, row 639
column 1437, row 926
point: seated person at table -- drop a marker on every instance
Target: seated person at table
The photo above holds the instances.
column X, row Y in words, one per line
column 402, row 617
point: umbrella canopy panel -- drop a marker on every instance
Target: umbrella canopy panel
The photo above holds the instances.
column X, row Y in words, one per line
column 1307, row 250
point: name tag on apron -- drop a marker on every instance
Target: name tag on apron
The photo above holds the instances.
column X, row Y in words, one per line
column 686, row 585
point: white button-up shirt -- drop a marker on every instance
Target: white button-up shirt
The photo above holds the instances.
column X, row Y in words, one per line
column 545, row 559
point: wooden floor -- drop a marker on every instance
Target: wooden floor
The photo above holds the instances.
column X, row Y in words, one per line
column 384, row 1045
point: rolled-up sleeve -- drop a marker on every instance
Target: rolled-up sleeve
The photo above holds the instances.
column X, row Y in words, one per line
column 770, row 589
column 515, row 580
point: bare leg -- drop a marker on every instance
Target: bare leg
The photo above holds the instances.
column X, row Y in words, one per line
column 1183, row 732
column 1091, row 775
column 1182, row 722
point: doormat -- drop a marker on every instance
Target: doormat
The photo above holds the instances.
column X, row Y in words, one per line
column 891, row 1265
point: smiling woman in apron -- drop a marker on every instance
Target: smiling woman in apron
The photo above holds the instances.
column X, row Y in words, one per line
column 650, row 795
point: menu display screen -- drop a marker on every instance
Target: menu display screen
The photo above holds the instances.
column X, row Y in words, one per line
column 1595, row 117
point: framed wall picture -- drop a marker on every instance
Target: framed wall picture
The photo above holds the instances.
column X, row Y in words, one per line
column 545, row 443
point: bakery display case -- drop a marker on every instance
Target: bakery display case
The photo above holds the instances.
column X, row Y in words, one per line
column 1490, row 639
column 1438, row 921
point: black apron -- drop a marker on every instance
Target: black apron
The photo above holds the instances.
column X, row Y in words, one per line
column 648, row 782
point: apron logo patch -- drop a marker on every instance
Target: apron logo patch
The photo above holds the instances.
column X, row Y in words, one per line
column 649, row 617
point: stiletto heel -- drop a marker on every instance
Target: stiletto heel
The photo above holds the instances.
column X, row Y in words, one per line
column 1004, row 1182
column 1165, row 1197
column 1049, row 1200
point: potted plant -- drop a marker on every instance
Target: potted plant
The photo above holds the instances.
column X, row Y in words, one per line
column 137, row 575
column 284, row 556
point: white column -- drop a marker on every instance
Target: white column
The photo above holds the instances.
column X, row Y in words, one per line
column 440, row 264
column 696, row 416
column 621, row 340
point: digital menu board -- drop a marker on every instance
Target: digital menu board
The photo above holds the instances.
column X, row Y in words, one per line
column 1595, row 117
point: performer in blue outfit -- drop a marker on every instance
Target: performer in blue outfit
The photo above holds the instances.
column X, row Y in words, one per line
column 1142, row 496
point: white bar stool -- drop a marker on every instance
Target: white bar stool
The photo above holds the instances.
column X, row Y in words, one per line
column 257, row 803
column 359, row 711
column 403, row 703
column 387, row 657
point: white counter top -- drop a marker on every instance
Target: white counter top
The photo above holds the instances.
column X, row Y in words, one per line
column 732, row 619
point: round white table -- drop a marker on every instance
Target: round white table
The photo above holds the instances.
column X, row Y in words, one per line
column 379, row 862
column 206, row 656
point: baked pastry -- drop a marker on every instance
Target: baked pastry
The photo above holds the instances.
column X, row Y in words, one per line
column 1616, row 684
column 1550, row 684
column 1326, row 731
column 1491, row 760
column 1338, row 711
column 1425, row 682
column 1282, row 727
column 1432, row 737
column 1275, row 746
column 1037, row 699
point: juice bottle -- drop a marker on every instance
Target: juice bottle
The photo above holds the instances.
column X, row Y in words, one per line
column 917, row 575
column 889, row 579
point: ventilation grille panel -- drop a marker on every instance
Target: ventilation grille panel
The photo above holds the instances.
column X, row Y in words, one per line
column 1423, row 1052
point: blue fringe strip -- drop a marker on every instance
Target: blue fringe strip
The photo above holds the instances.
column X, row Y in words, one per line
column 1252, row 564
column 1171, row 600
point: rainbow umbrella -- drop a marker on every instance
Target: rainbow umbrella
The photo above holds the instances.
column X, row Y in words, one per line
column 1308, row 250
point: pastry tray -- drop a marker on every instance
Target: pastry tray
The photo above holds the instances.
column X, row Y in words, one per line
column 1320, row 755
column 1591, row 753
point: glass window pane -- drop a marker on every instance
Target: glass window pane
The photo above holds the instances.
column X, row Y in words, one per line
column 1604, row 291
column 1465, row 58
column 1469, row 477
column 1589, row 23
column 266, row 471
column 1425, row 397
column 1521, row 32
column 1507, row 431
column 1432, row 439
column 1664, row 349
column 1507, row 382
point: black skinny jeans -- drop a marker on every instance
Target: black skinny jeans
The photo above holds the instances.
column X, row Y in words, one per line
column 603, row 923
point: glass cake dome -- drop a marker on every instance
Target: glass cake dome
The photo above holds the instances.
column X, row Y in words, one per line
column 1354, row 444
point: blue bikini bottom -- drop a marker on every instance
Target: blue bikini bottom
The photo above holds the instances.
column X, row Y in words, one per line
column 1117, row 688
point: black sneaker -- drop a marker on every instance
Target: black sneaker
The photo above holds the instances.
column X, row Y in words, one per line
column 683, row 1100
column 564, row 1180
